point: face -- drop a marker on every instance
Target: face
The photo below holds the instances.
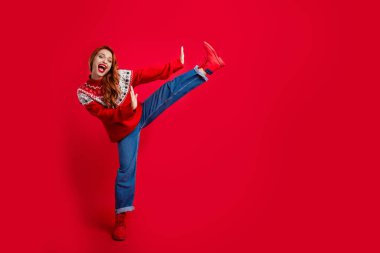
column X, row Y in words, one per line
column 101, row 64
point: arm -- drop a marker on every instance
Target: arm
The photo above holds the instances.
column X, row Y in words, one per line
column 157, row 72
column 118, row 114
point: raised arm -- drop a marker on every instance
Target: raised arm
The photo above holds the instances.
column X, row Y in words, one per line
column 157, row 72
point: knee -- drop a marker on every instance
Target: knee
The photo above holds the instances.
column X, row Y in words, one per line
column 127, row 167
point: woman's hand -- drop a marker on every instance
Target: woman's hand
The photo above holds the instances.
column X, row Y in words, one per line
column 133, row 98
column 182, row 57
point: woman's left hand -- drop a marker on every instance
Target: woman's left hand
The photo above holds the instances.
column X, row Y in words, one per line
column 133, row 98
column 182, row 57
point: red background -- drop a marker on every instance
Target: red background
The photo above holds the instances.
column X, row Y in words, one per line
column 278, row 152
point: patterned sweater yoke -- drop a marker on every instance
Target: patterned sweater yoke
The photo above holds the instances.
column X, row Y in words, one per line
column 88, row 93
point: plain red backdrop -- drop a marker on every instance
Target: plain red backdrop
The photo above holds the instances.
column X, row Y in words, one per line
column 278, row 152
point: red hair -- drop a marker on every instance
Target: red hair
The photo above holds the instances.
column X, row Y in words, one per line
column 110, row 82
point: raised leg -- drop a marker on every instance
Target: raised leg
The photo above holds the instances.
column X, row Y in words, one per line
column 169, row 93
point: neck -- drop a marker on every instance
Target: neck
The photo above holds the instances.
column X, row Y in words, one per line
column 95, row 77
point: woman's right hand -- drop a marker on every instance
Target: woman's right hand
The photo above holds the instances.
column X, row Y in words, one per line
column 133, row 98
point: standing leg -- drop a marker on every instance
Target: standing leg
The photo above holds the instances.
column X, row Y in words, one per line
column 169, row 93
column 126, row 174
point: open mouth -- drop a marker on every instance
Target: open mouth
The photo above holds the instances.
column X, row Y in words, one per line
column 102, row 68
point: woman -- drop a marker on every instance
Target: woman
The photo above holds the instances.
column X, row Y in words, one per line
column 109, row 95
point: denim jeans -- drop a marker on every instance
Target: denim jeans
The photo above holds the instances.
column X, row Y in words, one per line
column 152, row 107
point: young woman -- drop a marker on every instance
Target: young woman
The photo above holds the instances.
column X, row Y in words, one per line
column 109, row 95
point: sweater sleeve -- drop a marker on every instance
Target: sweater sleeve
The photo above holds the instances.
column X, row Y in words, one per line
column 110, row 115
column 156, row 72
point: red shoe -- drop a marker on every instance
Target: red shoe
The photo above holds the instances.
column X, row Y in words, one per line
column 120, row 230
column 213, row 61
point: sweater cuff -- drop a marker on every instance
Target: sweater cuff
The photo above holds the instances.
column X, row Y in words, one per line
column 177, row 64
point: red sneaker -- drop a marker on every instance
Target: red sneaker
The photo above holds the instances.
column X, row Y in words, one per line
column 120, row 230
column 212, row 61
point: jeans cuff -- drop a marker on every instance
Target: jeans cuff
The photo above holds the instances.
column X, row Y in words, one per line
column 196, row 68
column 125, row 209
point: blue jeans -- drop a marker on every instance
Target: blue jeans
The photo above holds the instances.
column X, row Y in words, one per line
column 153, row 106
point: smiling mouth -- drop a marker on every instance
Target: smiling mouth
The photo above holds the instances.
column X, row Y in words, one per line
column 102, row 68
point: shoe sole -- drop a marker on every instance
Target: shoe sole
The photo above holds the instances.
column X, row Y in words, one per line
column 118, row 239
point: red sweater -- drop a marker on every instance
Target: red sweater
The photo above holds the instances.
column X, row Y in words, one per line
column 122, row 120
